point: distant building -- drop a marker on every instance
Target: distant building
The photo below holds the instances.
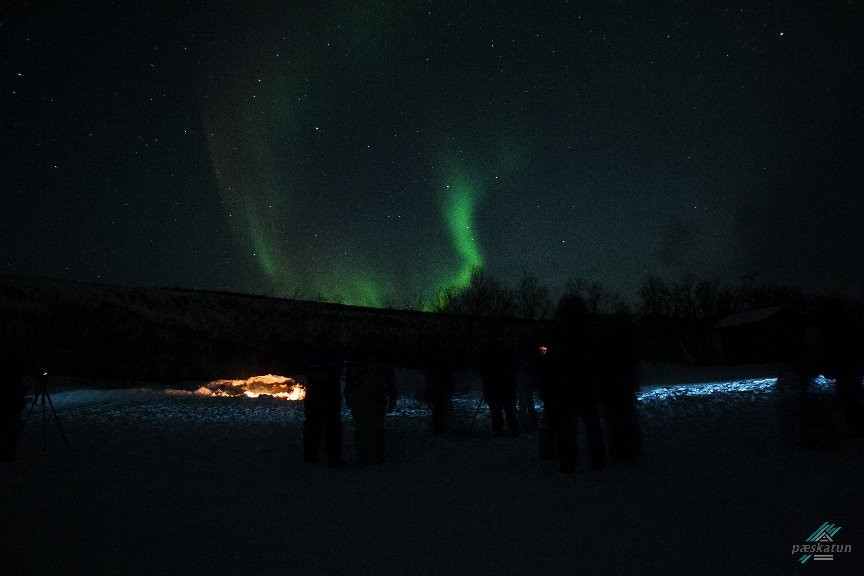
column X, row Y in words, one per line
column 771, row 334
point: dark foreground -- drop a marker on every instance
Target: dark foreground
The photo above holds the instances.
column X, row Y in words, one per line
column 161, row 484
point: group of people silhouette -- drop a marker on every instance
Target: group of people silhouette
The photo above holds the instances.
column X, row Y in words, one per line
column 584, row 374
column 582, row 367
column 369, row 385
column 587, row 374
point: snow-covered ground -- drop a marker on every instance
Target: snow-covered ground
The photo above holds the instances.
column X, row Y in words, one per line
column 161, row 483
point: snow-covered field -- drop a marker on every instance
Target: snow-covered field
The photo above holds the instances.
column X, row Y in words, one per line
column 161, row 483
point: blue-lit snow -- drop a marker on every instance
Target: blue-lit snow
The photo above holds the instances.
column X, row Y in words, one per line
column 819, row 385
column 156, row 404
column 763, row 385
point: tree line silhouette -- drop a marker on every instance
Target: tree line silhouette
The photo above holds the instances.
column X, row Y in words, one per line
column 688, row 298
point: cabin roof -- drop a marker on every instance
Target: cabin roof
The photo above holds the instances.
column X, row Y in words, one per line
column 747, row 317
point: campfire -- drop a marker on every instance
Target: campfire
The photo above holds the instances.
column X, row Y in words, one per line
column 270, row 385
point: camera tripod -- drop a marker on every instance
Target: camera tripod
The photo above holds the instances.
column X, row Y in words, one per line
column 40, row 399
column 470, row 429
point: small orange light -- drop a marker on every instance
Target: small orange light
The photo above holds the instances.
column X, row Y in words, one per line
column 543, row 350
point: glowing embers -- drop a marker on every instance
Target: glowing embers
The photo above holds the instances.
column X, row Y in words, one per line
column 270, row 385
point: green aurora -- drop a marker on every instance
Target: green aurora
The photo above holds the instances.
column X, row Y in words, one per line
column 264, row 144
column 458, row 205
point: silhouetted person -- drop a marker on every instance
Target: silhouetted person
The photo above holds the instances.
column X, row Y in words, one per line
column 617, row 371
column 526, row 376
column 498, row 367
column 11, row 406
column 843, row 348
column 544, row 383
column 323, row 404
column 439, row 389
column 370, row 393
column 800, row 420
column 571, row 386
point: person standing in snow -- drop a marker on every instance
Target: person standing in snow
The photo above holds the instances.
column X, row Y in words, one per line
column 498, row 367
column 843, row 360
column 370, row 392
column 526, row 376
column 439, row 388
column 571, row 388
column 323, row 404
column 618, row 359
column 547, row 424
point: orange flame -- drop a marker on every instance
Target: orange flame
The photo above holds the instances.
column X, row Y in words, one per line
column 270, row 385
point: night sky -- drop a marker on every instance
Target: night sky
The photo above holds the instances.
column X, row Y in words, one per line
column 374, row 151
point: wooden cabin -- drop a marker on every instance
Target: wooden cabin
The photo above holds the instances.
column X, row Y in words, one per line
column 774, row 334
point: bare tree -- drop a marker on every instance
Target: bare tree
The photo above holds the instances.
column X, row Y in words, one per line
column 655, row 297
column 707, row 296
column 532, row 299
column 683, row 300
column 417, row 300
column 598, row 299
column 483, row 296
